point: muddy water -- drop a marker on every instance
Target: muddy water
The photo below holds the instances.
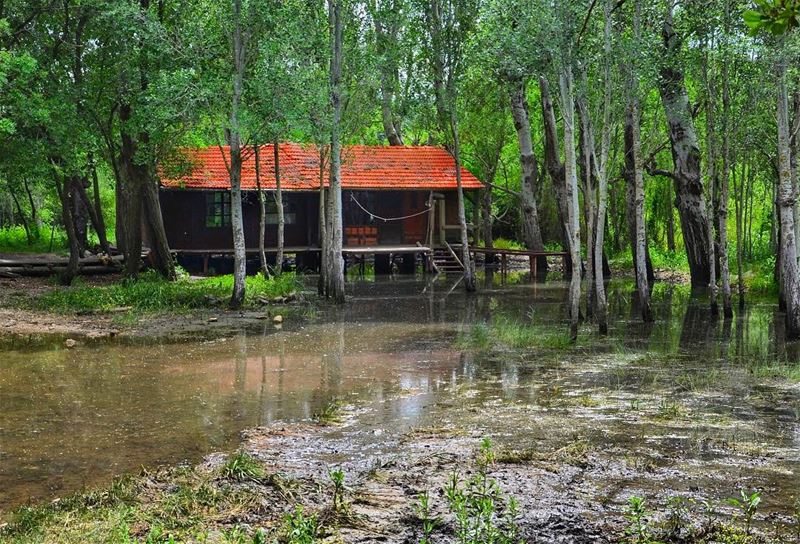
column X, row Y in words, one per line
column 685, row 403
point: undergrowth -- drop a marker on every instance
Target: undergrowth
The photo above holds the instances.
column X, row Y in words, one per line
column 150, row 293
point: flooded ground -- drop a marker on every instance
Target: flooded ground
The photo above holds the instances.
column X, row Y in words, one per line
column 687, row 406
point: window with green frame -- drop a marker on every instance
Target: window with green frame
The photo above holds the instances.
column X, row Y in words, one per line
column 218, row 209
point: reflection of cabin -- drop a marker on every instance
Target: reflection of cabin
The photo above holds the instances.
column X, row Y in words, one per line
column 394, row 199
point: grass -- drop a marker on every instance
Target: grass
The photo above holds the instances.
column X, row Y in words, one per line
column 503, row 332
column 241, row 467
column 152, row 294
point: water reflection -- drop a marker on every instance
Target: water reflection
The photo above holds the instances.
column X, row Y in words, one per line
column 70, row 418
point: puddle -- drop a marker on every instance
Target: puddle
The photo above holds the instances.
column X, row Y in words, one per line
column 685, row 404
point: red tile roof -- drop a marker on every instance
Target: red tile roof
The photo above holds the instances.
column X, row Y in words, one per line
column 363, row 167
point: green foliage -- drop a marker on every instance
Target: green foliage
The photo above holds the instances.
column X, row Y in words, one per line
column 483, row 514
column 502, row 243
column 150, row 293
column 639, row 531
column 242, row 466
column 747, row 503
column 426, row 518
column 774, row 16
column 337, row 479
column 509, row 333
column 300, row 528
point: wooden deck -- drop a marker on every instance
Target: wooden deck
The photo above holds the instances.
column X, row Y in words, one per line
column 503, row 254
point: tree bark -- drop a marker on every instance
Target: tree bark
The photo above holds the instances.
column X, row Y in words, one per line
column 100, row 223
column 237, row 224
column 279, row 207
column 686, row 176
column 602, row 175
column 586, row 169
column 131, row 218
column 727, row 307
column 466, row 257
column 555, row 168
column 711, row 169
column 571, row 190
column 387, row 48
column 262, row 213
column 632, row 119
column 786, row 202
column 335, row 262
column 322, row 284
column 66, row 198
column 531, row 233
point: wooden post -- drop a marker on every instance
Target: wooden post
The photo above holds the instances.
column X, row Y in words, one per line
column 504, row 263
column 205, row 264
column 532, row 260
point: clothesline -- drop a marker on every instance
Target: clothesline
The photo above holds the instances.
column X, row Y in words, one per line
column 387, row 219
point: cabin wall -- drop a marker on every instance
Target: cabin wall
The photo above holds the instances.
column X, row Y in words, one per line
column 184, row 212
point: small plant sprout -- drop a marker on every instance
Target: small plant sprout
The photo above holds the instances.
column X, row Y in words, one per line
column 300, row 528
column 486, row 455
column 636, row 514
column 423, row 510
column 748, row 505
column 337, row 478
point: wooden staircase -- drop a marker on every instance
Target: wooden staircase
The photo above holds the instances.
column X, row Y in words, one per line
column 447, row 261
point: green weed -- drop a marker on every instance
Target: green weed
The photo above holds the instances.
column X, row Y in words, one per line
column 152, row 294
column 747, row 503
column 300, row 528
column 242, row 466
column 330, row 414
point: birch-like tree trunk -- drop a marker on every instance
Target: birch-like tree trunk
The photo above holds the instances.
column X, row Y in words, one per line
column 787, row 196
column 727, row 308
column 335, row 265
column 67, row 276
column 279, row 208
column 322, row 284
column 466, row 257
column 237, row 223
column 632, row 119
column 571, row 189
column 686, row 175
column 262, row 213
column 586, row 160
column 711, row 171
column 531, row 233
column 602, row 174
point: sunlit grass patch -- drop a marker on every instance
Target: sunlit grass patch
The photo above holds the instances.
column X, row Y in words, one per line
column 151, row 294
column 242, row 466
column 508, row 333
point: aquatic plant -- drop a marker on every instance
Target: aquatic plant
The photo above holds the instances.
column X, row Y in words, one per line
column 747, row 503
column 329, row 414
column 242, row 466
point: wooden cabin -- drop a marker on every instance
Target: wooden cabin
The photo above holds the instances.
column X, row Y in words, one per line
column 393, row 198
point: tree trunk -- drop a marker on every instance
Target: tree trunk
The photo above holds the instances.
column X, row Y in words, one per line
column 711, row 168
column 632, row 119
column 237, row 225
column 555, row 168
column 335, row 262
column 738, row 197
column 21, row 215
column 786, row 202
column 279, row 207
column 727, row 307
column 586, row 169
column 486, row 220
column 602, row 175
column 93, row 218
column 100, row 223
column 686, row 158
column 571, row 190
column 35, row 219
column 80, row 216
column 68, row 274
column 262, row 213
column 466, row 257
column 131, row 192
column 386, row 47
column 531, row 233
column 160, row 255
column 630, row 201
column 322, row 284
